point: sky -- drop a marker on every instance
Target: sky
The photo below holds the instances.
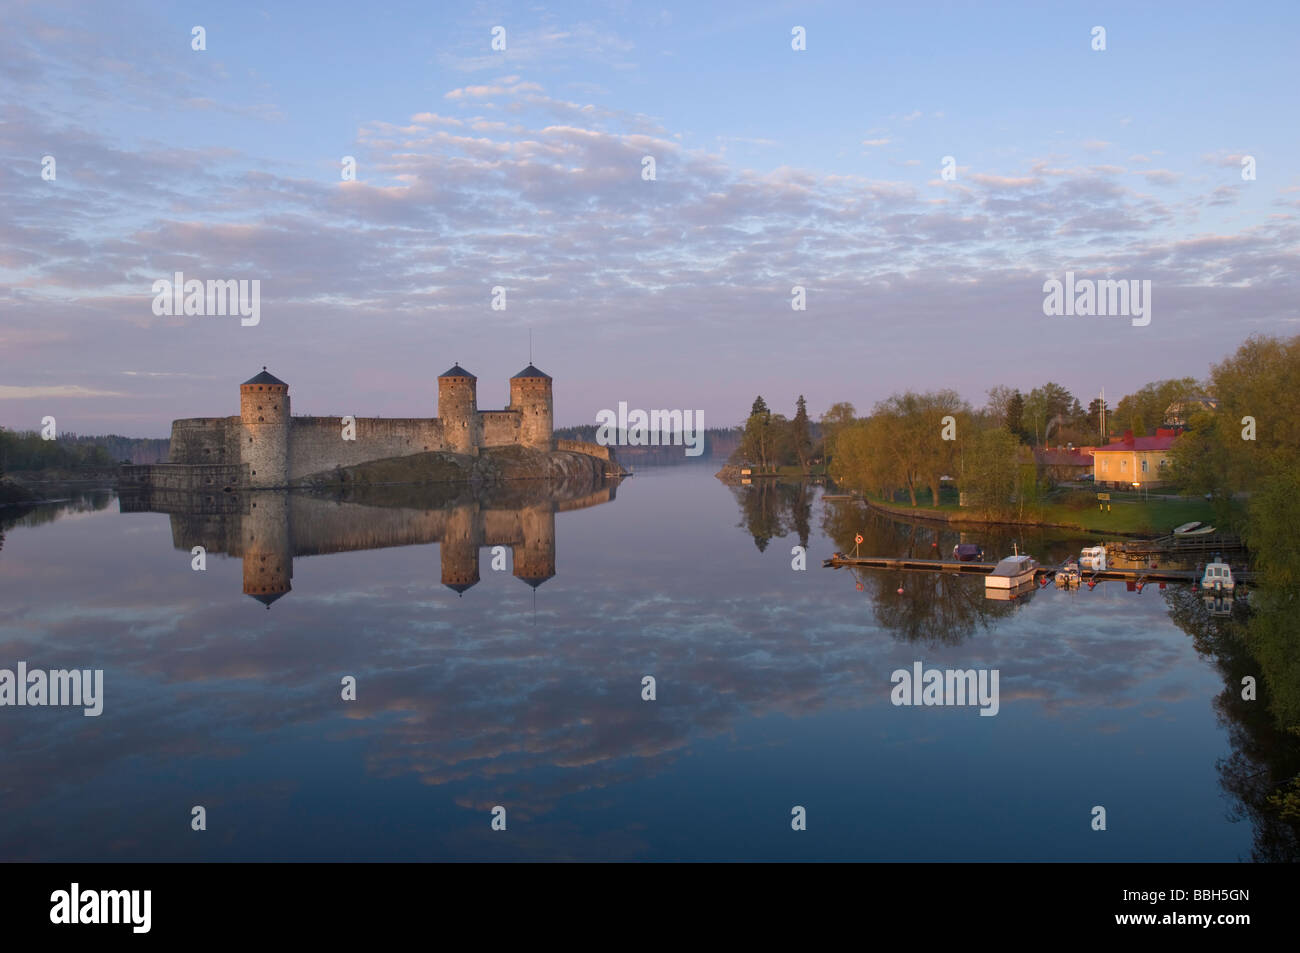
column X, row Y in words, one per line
column 523, row 169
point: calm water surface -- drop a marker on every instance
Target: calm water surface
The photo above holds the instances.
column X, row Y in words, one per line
column 525, row 691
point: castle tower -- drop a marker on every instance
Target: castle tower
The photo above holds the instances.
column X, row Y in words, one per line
column 458, row 408
column 264, row 542
column 535, row 556
column 530, row 394
column 458, row 549
column 264, row 430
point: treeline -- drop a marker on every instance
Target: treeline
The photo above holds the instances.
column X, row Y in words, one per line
column 28, row 451
column 718, row 441
column 1051, row 416
column 914, row 443
column 1046, row 416
column 1250, row 444
column 769, row 440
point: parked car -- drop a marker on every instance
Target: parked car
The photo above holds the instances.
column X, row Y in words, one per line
column 968, row 553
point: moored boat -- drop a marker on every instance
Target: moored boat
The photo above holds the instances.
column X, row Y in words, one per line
column 1093, row 559
column 1218, row 577
column 1012, row 572
column 1068, row 575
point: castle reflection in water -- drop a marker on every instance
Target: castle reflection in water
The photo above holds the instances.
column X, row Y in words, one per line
column 268, row 529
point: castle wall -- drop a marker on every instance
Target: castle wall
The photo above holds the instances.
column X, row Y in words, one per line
column 185, row 477
column 501, row 428
column 588, row 449
column 204, row 440
column 316, row 443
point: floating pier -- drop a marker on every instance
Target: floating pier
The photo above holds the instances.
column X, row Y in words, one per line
column 1189, row 544
column 907, row 564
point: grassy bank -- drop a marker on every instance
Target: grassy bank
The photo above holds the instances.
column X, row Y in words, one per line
column 1128, row 514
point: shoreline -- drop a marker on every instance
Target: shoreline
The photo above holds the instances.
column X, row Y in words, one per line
column 933, row 516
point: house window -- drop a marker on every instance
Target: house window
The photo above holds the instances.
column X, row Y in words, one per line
column 1144, row 465
column 1123, row 464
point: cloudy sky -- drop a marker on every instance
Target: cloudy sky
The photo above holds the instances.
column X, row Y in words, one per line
column 523, row 168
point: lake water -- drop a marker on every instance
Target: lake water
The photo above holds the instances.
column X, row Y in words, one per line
column 525, row 690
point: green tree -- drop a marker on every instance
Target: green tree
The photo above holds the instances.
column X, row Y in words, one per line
column 800, row 436
column 991, row 470
column 1143, row 411
column 840, row 415
column 1015, row 416
column 1046, row 409
column 781, row 445
column 1097, row 408
column 757, row 441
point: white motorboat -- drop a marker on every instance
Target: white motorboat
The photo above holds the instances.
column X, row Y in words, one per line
column 1067, row 577
column 1218, row 577
column 1012, row 572
column 1093, row 559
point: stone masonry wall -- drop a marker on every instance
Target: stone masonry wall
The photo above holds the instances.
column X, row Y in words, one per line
column 500, row 428
column 316, row 443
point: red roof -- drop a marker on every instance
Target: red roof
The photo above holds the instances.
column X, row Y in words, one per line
column 1163, row 440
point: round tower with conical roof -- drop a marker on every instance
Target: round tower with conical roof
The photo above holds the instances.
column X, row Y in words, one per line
column 535, row 555
column 530, row 394
column 458, row 409
column 266, row 548
column 458, row 549
column 264, row 430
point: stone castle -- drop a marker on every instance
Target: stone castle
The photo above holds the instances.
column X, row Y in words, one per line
column 265, row 447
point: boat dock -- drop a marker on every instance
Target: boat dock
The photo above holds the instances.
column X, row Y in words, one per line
column 1089, row 576
column 1189, row 544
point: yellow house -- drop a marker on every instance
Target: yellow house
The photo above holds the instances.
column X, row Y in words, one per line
column 1130, row 460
